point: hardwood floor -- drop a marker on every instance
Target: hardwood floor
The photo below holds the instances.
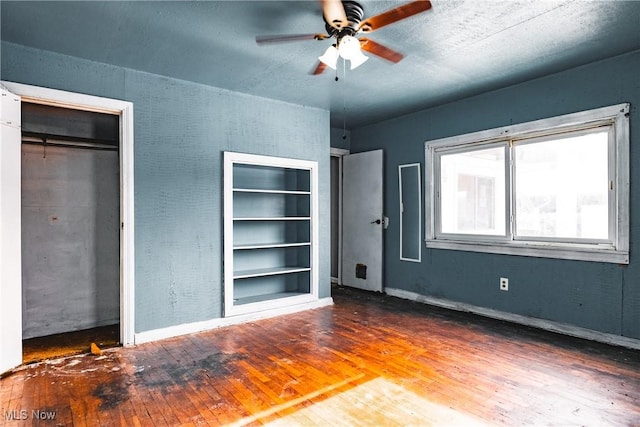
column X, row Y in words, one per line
column 69, row 343
column 368, row 360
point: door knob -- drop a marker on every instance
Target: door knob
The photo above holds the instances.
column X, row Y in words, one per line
column 377, row 221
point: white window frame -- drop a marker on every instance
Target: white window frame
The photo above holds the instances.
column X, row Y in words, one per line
column 615, row 251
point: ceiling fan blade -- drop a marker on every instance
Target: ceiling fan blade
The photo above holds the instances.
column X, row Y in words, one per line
column 319, row 68
column 290, row 38
column 380, row 50
column 393, row 15
column 334, row 14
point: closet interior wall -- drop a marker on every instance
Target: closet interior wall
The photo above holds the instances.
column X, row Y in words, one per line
column 70, row 220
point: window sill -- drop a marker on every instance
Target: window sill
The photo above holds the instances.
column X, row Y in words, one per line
column 536, row 250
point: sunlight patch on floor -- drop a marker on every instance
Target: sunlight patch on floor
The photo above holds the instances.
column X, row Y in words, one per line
column 377, row 402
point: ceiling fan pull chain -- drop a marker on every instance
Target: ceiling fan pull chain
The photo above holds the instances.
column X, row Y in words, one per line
column 344, row 100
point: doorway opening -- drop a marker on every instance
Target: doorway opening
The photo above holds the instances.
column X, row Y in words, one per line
column 11, row 285
column 336, row 214
column 70, row 213
column 357, row 219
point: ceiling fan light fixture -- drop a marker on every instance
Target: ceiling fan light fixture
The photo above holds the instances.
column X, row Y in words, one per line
column 349, row 47
column 330, row 57
column 358, row 59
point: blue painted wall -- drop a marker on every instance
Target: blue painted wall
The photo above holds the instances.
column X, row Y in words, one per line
column 598, row 296
column 181, row 130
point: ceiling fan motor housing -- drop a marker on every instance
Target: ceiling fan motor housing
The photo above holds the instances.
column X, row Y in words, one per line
column 355, row 13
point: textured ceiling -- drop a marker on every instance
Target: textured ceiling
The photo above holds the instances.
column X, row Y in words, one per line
column 457, row 49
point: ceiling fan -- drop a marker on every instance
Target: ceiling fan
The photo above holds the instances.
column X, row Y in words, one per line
column 344, row 21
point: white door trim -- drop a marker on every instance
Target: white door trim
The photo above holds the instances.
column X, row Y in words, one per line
column 10, row 219
column 339, row 153
column 123, row 109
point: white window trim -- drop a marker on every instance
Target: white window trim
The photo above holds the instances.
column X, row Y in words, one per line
column 617, row 115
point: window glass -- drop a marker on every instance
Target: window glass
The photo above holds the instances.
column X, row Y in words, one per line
column 473, row 192
column 562, row 187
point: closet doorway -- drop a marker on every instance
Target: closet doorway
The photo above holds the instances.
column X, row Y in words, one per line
column 11, row 285
column 70, row 216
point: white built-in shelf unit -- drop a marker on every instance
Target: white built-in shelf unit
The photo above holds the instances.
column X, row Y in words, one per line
column 270, row 232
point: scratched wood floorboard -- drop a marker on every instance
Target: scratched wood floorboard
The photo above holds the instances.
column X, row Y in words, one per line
column 370, row 359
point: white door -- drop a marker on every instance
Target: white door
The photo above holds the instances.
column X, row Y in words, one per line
column 363, row 220
column 10, row 233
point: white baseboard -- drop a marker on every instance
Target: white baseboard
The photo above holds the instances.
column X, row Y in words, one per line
column 548, row 325
column 190, row 328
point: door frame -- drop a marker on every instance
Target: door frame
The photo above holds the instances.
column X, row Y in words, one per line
column 339, row 153
column 123, row 109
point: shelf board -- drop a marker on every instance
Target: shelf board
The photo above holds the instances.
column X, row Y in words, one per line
column 261, row 272
column 267, row 297
column 270, row 245
column 278, row 218
column 257, row 190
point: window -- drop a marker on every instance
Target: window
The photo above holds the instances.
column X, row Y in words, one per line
column 555, row 188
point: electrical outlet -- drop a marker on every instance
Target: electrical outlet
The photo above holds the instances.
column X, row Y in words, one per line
column 504, row 284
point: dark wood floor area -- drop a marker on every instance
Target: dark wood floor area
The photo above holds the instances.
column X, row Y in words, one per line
column 368, row 360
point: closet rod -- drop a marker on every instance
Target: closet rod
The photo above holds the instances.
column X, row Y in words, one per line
column 76, row 143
